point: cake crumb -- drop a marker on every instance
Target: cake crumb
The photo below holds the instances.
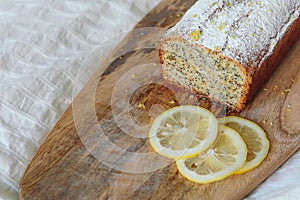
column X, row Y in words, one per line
column 141, row 105
column 172, row 102
column 289, row 107
column 178, row 15
column 287, row 90
column 266, row 89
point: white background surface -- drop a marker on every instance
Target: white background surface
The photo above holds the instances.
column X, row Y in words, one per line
column 43, row 45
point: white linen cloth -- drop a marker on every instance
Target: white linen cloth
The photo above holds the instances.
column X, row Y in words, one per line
column 43, row 46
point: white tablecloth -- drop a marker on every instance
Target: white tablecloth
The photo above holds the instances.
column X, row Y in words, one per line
column 43, row 46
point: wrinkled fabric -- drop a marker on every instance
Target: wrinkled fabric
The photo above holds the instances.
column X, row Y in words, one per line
column 44, row 45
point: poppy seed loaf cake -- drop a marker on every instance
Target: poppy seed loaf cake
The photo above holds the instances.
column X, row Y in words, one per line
column 225, row 50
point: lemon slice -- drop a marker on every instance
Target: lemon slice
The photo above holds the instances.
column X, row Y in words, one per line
column 254, row 137
column 183, row 131
column 222, row 159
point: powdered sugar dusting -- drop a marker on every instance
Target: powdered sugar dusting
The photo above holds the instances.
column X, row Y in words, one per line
column 244, row 30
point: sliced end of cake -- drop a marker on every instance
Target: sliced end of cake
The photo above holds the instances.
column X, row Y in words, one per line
column 205, row 72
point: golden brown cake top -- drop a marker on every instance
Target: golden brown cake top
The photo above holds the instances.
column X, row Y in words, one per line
column 244, row 30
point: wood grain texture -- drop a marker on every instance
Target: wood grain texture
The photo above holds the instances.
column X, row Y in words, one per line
column 74, row 162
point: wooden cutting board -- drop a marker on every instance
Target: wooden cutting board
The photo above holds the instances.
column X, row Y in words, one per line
column 99, row 148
